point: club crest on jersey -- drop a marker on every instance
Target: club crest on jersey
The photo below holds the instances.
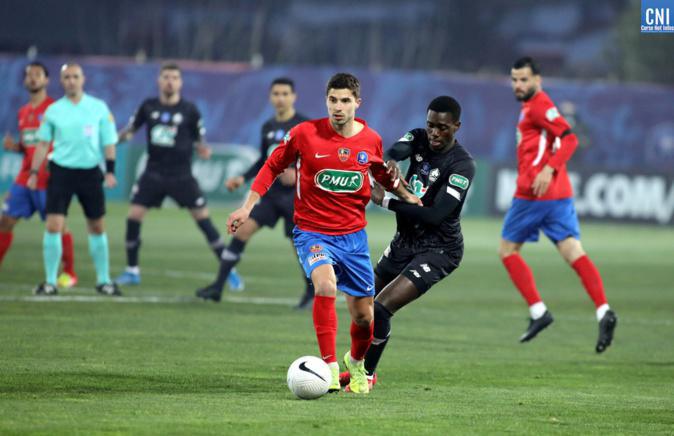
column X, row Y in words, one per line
column 154, row 115
column 433, row 176
column 280, row 133
column 177, row 118
column 362, row 157
column 458, row 181
column 315, row 248
column 339, row 180
column 165, row 117
column 343, row 154
column 418, row 157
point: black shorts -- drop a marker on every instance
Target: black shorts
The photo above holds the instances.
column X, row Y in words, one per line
column 274, row 206
column 424, row 268
column 152, row 187
column 87, row 184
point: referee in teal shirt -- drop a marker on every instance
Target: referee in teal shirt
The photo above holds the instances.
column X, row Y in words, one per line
column 82, row 130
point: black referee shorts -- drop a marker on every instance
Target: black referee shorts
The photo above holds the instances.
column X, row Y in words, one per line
column 274, row 206
column 423, row 267
column 152, row 187
column 87, row 184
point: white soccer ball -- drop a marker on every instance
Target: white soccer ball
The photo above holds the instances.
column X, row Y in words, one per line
column 309, row 377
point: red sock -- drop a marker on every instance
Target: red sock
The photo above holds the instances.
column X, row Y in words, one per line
column 68, row 256
column 522, row 277
column 591, row 279
column 5, row 243
column 361, row 338
column 325, row 324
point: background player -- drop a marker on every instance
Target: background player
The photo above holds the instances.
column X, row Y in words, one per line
column 334, row 156
column 428, row 244
column 21, row 202
column 79, row 125
column 278, row 203
column 544, row 201
column 174, row 130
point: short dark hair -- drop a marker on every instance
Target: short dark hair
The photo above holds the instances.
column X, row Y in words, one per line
column 283, row 81
column 527, row 61
column 344, row 81
column 169, row 66
column 39, row 65
column 446, row 104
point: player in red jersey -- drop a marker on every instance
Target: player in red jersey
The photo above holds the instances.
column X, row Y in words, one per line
column 22, row 202
column 544, row 201
column 334, row 157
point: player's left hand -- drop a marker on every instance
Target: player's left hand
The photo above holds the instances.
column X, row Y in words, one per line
column 9, row 143
column 542, row 181
column 204, row 151
column 393, row 169
column 377, row 194
column 110, row 180
column 236, row 219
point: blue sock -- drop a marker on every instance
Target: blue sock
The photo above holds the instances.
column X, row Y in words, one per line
column 51, row 252
column 98, row 248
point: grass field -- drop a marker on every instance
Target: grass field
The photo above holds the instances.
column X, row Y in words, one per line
column 159, row 361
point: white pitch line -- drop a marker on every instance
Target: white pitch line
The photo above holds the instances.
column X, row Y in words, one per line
column 144, row 299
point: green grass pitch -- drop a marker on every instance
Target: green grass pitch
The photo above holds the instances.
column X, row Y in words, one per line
column 159, row 361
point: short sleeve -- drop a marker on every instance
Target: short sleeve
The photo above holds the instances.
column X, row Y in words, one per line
column 107, row 128
column 46, row 131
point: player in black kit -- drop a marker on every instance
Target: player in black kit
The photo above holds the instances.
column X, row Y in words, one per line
column 278, row 203
column 428, row 244
column 174, row 131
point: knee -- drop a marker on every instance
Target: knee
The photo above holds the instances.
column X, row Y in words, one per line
column 505, row 250
column 96, row 227
column 136, row 214
column 6, row 224
column 200, row 214
column 325, row 288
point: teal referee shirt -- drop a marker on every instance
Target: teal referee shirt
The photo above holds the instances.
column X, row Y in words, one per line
column 78, row 131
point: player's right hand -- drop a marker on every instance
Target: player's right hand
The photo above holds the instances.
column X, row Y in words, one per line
column 31, row 183
column 236, row 219
column 234, row 183
column 9, row 143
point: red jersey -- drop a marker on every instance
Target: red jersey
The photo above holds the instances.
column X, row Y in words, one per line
column 539, row 130
column 29, row 121
column 333, row 185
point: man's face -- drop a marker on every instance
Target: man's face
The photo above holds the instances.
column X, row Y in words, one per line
column 72, row 80
column 35, row 80
column 524, row 83
column 170, row 82
column 440, row 128
column 282, row 97
column 342, row 105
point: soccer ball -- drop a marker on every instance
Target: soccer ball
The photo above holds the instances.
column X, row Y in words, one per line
column 309, row 377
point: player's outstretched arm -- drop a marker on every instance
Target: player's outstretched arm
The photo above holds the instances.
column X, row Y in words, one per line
column 10, row 145
column 239, row 216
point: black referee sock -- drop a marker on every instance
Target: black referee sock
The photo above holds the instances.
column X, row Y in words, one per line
column 132, row 242
column 212, row 236
column 228, row 259
column 309, row 288
column 382, row 331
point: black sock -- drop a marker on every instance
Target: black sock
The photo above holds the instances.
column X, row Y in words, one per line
column 132, row 242
column 228, row 259
column 382, row 331
column 212, row 236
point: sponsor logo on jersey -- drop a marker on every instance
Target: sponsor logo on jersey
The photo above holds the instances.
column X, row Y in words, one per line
column 163, row 136
column 362, row 157
column 339, row 180
column 280, row 133
column 165, row 117
column 29, row 137
column 343, row 154
column 407, row 137
column 418, row 157
column 315, row 248
column 177, row 118
column 458, row 181
column 316, row 258
column 417, row 186
column 433, row 176
column 551, row 114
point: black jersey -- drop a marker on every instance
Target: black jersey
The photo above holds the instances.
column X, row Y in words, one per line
column 442, row 181
column 171, row 134
column 271, row 136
